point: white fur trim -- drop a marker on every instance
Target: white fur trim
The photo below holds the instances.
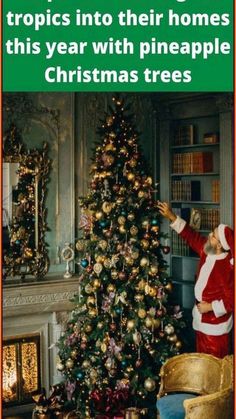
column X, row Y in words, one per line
column 221, row 233
column 178, row 225
column 218, row 308
column 205, row 273
column 210, row 329
column 232, row 261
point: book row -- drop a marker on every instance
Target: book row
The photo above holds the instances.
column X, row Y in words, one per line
column 195, row 162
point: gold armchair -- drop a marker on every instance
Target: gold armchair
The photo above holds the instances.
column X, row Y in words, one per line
column 206, row 376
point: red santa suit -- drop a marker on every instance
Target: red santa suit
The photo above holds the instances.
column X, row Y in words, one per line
column 215, row 285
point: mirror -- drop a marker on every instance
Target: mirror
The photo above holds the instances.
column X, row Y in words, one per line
column 25, row 174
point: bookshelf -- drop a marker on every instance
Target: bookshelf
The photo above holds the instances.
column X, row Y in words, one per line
column 197, row 177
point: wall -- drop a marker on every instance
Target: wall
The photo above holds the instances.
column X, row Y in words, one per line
column 68, row 123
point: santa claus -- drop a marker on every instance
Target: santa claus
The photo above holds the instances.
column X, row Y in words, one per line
column 214, row 288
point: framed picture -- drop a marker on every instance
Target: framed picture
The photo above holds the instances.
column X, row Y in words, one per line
column 195, row 219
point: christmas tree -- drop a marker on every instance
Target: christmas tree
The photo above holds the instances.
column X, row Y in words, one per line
column 121, row 330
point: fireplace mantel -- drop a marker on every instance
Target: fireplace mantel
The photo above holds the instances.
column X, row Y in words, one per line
column 50, row 295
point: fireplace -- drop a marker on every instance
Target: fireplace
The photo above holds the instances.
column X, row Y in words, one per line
column 21, row 369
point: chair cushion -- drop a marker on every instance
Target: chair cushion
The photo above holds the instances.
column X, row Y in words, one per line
column 171, row 406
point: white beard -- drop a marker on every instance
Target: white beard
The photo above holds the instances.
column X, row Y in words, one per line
column 209, row 249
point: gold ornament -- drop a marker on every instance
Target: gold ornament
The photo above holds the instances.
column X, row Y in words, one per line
column 135, row 255
column 169, row 329
column 153, row 269
column 141, row 194
column 141, row 285
column 144, row 262
column 112, row 372
column 114, row 274
column 132, row 413
column 136, row 184
column 69, row 363
column 123, row 150
column 137, row 337
column 131, row 216
column 145, row 244
column 28, row 253
column 21, row 233
column 155, row 229
column 139, row 297
column 121, row 220
column 86, row 364
column 172, row 338
column 108, row 364
column 155, row 243
column 120, row 200
column 99, row 215
column 122, row 190
column 145, row 224
column 156, row 323
column 135, row 271
column 107, row 263
column 103, row 244
column 129, row 260
column 74, row 354
column 122, row 229
column 103, row 347
column 97, row 268
column 60, row 366
column 94, row 167
column 152, row 292
column 133, row 230
column 149, row 384
column 88, row 288
column 92, row 312
column 106, row 207
column 110, row 147
column 148, row 322
column 108, row 159
column 169, row 287
column 88, row 328
column 147, row 289
column 90, row 300
column 130, row 324
column 178, row 344
column 96, row 283
column 148, row 181
column 130, row 176
column 80, row 245
column 99, row 258
column 133, row 163
column 109, row 120
column 100, row 325
column 111, row 288
column 142, row 313
column 129, row 369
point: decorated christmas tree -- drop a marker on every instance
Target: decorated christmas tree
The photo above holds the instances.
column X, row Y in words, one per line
column 121, row 330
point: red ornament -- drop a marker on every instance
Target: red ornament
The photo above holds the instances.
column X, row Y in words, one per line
column 89, row 269
column 116, row 187
column 138, row 363
column 122, row 275
column 166, row 250
column 108, row 233
column 113, row 327
column 83, row 345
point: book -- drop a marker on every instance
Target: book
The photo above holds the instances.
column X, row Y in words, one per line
column 211, row 138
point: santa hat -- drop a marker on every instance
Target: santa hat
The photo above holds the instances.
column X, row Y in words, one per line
column 226, row 236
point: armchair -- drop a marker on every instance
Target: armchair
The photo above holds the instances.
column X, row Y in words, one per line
column 196, row 386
